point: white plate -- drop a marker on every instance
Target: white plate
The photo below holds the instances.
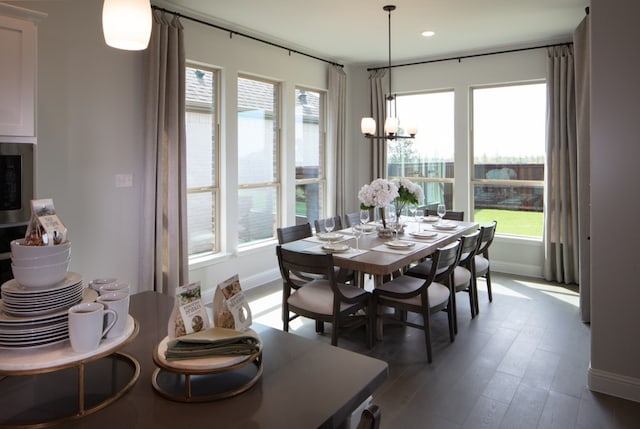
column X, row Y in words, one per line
column 424, row 234
column 37, row 344
column 88, row 295
column 330, row 236
column 400, row 244
column 12, row 301
column 36, row 311
column 335, row 248
column 431, row 219
column 34, row 329
column 14, row 339
column 445, row 226
column 13, row 287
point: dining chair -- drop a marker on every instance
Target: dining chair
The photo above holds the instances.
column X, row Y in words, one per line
column 323, row 299
column 422, row 296
column 370, row 417
column 450, row 215
column 351, row 219
column 287, row 234
column 462, row 280
column 319, row 224
column 482, row 266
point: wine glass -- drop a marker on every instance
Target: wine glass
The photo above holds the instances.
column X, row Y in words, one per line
column 419, row 216
column 442, row 210
column 412, row 211
column 329, row 224
column 364, row 219
column 357, row 233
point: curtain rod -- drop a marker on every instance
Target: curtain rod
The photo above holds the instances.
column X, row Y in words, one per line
column 232, row 32
column 462, row 57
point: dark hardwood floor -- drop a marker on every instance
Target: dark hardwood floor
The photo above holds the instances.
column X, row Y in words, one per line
column 521, row 363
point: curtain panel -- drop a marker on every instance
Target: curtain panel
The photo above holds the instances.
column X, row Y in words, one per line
column 377, row 106
column 163, row 252
column 337, row 129
column 561, row 242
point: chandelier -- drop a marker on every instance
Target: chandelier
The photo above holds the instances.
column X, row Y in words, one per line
column 126, row 24
column 391, row 123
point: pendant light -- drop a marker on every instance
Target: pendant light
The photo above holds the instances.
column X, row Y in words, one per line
column 368, row 125
column 126, row 24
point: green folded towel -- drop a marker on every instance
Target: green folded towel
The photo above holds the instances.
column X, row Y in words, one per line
column 213, row 342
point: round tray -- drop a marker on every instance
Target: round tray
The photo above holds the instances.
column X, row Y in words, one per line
column 204, row 379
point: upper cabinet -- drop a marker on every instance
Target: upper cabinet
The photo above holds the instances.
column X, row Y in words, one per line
column 18, row 58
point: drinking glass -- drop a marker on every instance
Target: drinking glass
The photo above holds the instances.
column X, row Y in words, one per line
column 420, row 217
column 357, row 233
column 329, row 224
column 442, row 210
column 364, row 217
column 412, row 211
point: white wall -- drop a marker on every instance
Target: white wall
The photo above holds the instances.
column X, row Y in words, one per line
column 615, row 272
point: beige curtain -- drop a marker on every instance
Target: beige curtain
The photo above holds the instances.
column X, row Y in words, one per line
column 337, row 129
column 164, row 263
column 582, row 47
column 377, row 105
column 561, row 243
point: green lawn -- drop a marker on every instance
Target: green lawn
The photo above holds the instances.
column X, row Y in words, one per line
column 512, row 222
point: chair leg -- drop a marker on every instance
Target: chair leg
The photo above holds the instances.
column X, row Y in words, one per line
column 451, row 316
column 488, row 277
column 472, row 304
column 427, row 332
column 453, row 308
column 474, row 282
column 334, row 331
column 319, row 327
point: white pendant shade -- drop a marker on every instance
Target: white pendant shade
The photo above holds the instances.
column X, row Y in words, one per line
column 368, row 126
column 391, row 126
column 126, row 24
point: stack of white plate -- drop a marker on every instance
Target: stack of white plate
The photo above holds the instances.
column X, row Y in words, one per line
column 35, row 318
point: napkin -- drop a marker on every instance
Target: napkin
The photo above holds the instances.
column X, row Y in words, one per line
column 213, row 342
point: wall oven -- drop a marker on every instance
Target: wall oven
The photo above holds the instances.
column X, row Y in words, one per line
column 16, row 193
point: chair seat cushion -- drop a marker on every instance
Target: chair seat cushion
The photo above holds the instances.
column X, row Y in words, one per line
column 482, row 265
column 438, row 293
column 317, row 297
column 461, row 278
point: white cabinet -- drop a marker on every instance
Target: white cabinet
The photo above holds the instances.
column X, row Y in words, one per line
column 18, row 56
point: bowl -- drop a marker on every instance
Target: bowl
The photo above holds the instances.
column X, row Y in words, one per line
column 40, row 277
column 36, row 261
column 19, row 250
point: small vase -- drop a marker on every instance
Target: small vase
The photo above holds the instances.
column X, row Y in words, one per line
column 385, row 233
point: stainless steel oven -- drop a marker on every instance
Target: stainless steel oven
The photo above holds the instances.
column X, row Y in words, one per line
column 16, row 193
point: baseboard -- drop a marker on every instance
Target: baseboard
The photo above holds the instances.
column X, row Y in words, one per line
column 516, row 269
column 614, row 384
column 247, row 283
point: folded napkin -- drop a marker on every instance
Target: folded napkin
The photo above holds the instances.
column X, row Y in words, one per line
column 213, row 342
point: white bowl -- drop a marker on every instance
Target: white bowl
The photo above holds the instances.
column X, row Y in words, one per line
column 40, row 277
column 52, row 259
column 19, row 250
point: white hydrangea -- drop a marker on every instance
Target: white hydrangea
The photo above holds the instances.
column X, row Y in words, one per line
column 379, row 193
column 406, row 187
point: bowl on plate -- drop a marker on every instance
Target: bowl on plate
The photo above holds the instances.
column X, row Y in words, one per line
column 42, row 276
column 20, row 250
column 36, row 261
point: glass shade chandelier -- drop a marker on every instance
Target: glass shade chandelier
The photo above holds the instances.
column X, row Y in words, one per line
column 391, row 123
column 126, row 24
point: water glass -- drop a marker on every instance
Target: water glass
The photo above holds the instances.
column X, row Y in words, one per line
column 357, row 233
column 442, row 210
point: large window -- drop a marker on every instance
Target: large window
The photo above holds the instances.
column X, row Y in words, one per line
column 508, row 157
column 310, row 155
column 258, row 159
column 202, row 159
column 428, row 159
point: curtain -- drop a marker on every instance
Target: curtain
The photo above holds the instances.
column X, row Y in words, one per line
column 561, row 243
column 164, row 263
column 337, row 129
column 582, row 47
column 377, row 105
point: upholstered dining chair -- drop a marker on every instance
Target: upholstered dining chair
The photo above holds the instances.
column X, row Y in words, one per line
column 322, row 299
column 422, row 296
column 287, row 234
column 351, row 219
column 482, row 265
column 449, row 215
column 462, row 280
column 319, row 224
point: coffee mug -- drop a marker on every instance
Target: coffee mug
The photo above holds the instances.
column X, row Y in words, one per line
column 118, row 302
column 89, row 322
column 96, row 283
column 114, row 287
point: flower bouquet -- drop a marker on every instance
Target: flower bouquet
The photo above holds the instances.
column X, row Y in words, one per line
column 408, row 193
column 378, row 194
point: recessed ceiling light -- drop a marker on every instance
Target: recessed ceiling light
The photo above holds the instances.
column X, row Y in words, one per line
column 428, row 33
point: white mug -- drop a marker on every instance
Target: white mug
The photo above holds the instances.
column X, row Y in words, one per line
column 87, row 325
column 114, row 287
column 118, row 302
column 96, row 283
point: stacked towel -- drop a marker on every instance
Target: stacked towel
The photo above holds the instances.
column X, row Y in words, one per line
column 213, row 342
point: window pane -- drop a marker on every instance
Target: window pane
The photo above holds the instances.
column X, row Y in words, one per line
column 309, row 143
column 509, row 126
column 200, row 218
column 257, row 132
column 256, row 214
column 309, row 203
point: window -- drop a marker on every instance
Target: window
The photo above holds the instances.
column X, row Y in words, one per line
column 428, row 159
column 258, row 160
column 201, row 99
column 310, row 155
column 509, row 124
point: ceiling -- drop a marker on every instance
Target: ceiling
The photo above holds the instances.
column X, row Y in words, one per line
column 356, row 31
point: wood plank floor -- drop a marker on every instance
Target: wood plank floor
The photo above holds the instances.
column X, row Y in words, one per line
column 522, row 363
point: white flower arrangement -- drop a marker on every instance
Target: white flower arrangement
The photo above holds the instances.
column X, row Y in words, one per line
column 379, row 193
column 409, row 192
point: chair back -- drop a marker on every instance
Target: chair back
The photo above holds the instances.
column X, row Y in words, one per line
column 351, row 219
column 319, row 224
column 445, row 260
column 449, row 215
column 468, row 248
column 292, row 233
column 487, row 233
